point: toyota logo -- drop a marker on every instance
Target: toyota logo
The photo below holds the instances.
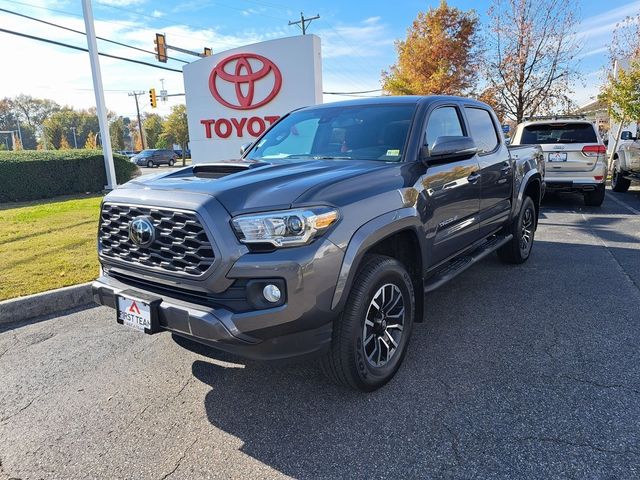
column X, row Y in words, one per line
column 141, row 231
column 238, row 71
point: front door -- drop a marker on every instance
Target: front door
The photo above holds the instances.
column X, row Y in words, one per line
column 451, row 190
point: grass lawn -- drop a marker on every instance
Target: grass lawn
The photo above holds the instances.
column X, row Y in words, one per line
column 48, row 244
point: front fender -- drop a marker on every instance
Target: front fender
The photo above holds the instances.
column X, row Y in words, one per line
column 368, row 235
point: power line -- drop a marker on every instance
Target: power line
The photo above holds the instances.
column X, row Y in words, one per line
column 83, row 33
column 74, row 47
column 302, row 23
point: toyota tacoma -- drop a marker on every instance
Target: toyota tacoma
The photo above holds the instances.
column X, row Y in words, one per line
column 324, row 237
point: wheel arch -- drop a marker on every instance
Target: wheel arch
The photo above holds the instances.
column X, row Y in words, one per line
column 395, row 234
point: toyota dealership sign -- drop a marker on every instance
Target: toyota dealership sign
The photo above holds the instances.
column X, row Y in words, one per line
column 234, row 96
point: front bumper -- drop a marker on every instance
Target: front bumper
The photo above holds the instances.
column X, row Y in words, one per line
column 216, row 327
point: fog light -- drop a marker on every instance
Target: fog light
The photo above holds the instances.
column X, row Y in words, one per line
column 271, row 293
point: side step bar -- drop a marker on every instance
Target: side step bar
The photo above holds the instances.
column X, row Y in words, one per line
column 460, row 264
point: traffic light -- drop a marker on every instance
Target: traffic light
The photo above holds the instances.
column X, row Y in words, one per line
column 161, row 47
column 152, row 98
column 207, row 52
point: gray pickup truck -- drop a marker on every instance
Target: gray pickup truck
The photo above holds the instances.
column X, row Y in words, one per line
column 324, row 238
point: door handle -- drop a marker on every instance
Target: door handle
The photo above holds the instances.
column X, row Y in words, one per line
column 473, row 178
column 506, row 168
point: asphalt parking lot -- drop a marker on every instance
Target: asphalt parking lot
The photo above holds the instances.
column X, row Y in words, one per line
column 528, row 371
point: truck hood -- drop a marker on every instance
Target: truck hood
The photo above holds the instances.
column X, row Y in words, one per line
column 242, row 186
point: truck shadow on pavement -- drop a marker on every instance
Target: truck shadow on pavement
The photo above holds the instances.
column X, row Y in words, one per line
column 516, row 385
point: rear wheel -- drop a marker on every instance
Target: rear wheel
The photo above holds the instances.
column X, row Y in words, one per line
column 150, row 164
column 618, row 182
column 523, row 229
column 595, row 198
column 370, row 339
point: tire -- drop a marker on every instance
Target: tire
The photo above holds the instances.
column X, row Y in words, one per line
column 171, row 162
column 523, row 229
column 595, row 198
column 358, row 356
column 150, row 164
column 618, row 182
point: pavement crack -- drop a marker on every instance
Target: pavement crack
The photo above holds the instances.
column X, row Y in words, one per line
column 182, row 388
column 178, row 463
column 569, row 443
column 455, row 444
column 22, row 409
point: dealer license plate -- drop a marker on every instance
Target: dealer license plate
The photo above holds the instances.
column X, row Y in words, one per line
column 557, row 157
column 134, row 313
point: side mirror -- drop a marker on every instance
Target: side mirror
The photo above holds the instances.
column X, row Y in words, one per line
column 626, row 135
column 244, row 148
column 447, row 148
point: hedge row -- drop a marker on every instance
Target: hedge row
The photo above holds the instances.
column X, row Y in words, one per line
column 34, row 174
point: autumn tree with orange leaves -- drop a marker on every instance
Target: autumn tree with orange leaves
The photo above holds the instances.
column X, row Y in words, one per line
column 530, row 55
column 439, row 56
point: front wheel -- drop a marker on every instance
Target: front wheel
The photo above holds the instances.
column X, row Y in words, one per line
column 150, row 164
column 370, row 338
column 171, row 162
column 618, row 182
column 523, row 229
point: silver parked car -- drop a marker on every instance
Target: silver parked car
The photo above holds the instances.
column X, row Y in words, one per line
column 152, row 157
column 575, row 154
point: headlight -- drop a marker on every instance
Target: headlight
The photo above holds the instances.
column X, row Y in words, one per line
column 286, row 228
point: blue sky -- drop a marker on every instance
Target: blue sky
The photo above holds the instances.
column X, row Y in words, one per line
column 357, row 41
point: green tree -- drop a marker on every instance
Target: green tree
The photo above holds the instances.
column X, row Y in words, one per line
column 117, row 133
column 176, row 129
column 90, row 143
column 153, row 127
column 622, row 94
column 439, row 56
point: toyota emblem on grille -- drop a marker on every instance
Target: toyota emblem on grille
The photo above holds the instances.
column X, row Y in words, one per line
column 141, row 231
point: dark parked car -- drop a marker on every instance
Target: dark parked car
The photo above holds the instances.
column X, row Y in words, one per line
column 325, row 237
column 187, row 153
column 154, row 157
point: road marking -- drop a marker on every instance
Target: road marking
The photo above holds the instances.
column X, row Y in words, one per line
column 622, row 204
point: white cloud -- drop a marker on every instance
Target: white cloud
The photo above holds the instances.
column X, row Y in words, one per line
column 157, row 14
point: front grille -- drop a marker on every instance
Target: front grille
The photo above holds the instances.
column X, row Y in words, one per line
column 180, row 246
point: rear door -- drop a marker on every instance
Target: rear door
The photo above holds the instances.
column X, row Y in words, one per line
column 568, row 146
column 452, row 191
column 496, row 169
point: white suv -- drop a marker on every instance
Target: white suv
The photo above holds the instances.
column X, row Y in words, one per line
column 574, row 153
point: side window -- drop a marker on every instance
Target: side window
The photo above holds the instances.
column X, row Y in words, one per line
column 443, row 122
column 482, row 129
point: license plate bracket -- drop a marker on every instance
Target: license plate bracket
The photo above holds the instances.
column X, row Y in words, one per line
column 558, row 157
column 138, row 310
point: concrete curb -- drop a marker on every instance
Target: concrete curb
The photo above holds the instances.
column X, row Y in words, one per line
column 45, row 303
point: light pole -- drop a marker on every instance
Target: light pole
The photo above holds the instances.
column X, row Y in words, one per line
column 75, row 140
column 101, row 108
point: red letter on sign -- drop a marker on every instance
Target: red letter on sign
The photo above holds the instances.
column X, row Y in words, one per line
column 251, row 126
column 227, row 128
column 271, row 119
column 207, row 126
column 239, row 125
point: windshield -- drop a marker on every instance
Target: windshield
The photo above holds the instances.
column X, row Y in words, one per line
column 546, row 133
column 363, row 132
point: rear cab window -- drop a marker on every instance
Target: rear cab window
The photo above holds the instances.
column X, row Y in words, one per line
column 566, row 132
column 483, row 130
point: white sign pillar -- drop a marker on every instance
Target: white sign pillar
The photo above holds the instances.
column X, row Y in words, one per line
column 101, row 109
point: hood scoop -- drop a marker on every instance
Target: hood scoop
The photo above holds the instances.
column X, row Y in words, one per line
column 219, row 170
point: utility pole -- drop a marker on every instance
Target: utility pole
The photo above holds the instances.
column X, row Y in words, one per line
column 302, row 23
column 135, row 95
column 75, row 140
column 101, row 108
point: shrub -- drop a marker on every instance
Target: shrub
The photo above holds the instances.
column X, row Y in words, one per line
column 34, row 174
